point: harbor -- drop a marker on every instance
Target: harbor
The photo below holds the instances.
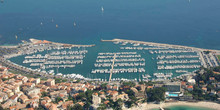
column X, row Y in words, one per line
column 133, row 60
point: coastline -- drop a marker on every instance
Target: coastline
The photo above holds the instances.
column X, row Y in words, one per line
column 202, row 104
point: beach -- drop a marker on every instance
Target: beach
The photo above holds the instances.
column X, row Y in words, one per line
column 202, row 104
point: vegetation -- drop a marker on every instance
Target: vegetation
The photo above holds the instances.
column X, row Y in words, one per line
column 1, row 70
column 132, row 98
column 4, row 79
column 206, row 52
column 44, row 94
column 84, row 97
column 58, row 99
column 117, row 105
column 102, row 107
column 130, row 83
column 198, row 93
column 209, row 73
column 156, row 94
column 60, row 80
column 218, row 57
column 147, row 83
column 103, row 86
column 76, row 107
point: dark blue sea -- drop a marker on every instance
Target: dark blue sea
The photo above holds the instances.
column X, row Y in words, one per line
column 195, row 23
column 185, row 22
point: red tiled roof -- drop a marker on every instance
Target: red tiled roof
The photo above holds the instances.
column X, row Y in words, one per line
column 190, row 87
column 106, row 102
column 150, row 87
column 96, row 94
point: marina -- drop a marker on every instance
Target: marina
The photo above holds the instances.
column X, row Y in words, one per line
column 124, row 62
column 133, row 60
column 57, row 58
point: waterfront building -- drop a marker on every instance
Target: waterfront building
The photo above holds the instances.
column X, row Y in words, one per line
column 173, row 89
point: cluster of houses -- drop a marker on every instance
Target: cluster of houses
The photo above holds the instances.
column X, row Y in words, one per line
column 21, row 92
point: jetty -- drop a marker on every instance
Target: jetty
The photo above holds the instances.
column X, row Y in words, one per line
column 36, row 41
column 126, row 62
column 110, row 77
column 159, row 44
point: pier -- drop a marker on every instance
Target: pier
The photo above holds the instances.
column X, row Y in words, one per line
column 158, row 44
column 126, row 62
column 36, row 41
column 110, row 76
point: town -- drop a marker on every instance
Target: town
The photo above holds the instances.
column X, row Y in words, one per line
column 18, row 91
column 25, row 88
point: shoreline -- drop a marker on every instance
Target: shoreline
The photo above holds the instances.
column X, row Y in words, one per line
column 202, row 104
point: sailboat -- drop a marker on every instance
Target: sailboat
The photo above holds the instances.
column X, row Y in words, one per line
column 52, row 20
column 16, row 37
column 74, row 24
column 189, row 1
column 57, row 26
column 41, row 23
column 102, row 9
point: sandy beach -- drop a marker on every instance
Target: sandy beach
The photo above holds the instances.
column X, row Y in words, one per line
column 146, row 106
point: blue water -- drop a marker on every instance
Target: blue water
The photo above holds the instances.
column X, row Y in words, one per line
column 173, row 95
column 164, row 21
column 167, row 21
column 185, row 108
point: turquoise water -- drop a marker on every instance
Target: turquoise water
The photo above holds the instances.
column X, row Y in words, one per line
column 90, row 58
column 173, row 95
column 185, row 108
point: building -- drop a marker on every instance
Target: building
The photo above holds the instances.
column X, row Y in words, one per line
column 190, row 88
column 173, row 89
column 50, row 82
column 96, row 100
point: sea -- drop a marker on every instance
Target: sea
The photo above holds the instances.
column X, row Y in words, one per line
column 185, row 108
column 193, row 23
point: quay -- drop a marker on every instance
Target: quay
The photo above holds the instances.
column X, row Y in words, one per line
column 9, row 46
column 159, row 44
column 36, row 41
column 110, row 77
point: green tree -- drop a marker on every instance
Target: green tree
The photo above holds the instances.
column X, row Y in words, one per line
column 76, row 107
column 197, row 93
column 156, row 94
column 87, row 105
column 103, row 86
column 129, row 104
column 102, row 107
column 58, row 99
column 130, row 83
column 44, row 94
column 118, row 105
